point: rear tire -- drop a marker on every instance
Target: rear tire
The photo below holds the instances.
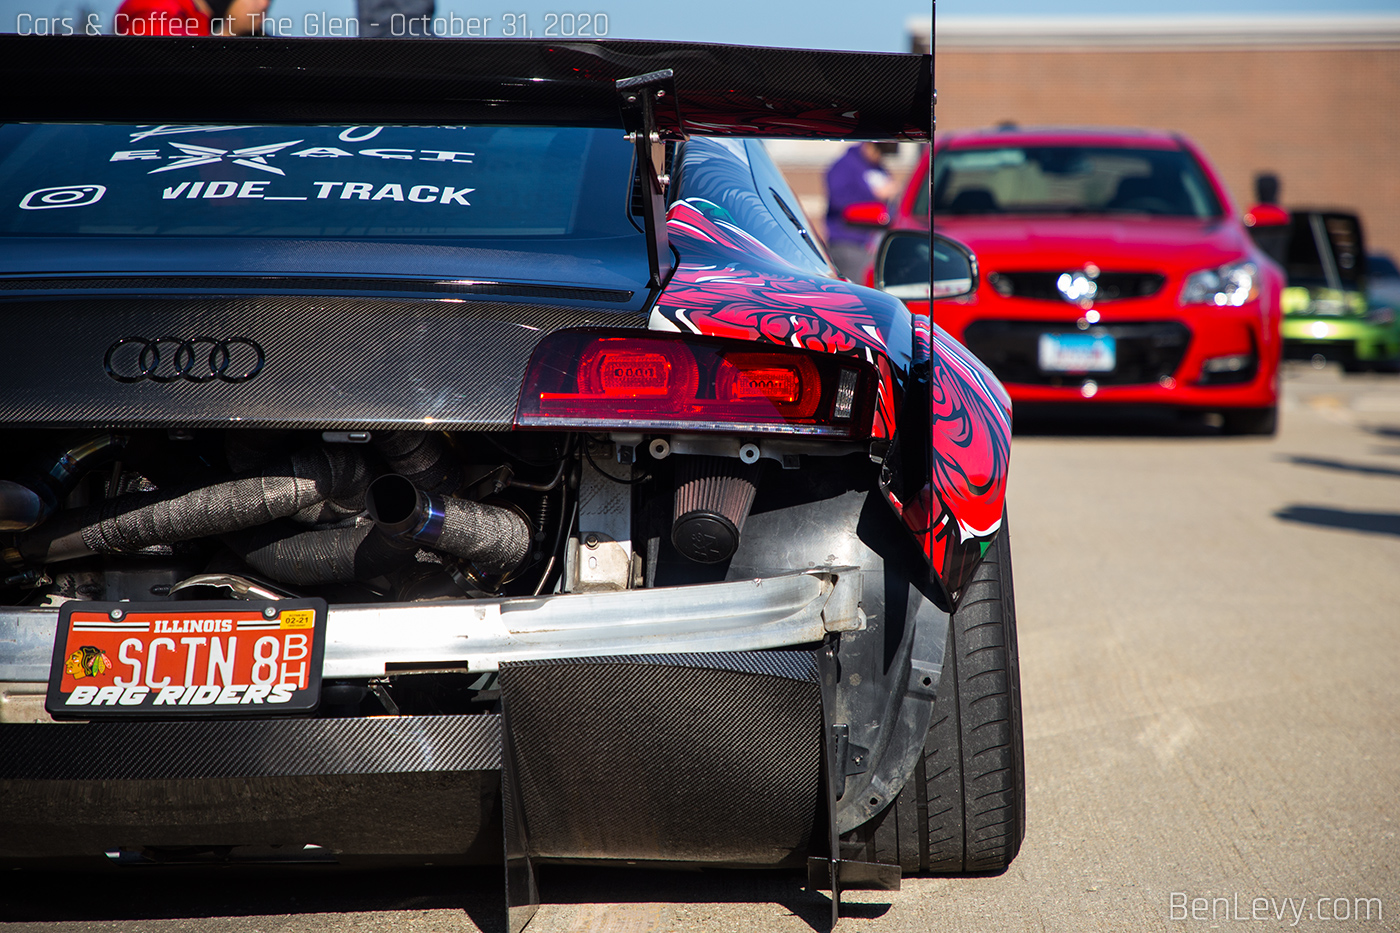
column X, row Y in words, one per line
column 972, row 788
column 964, row 809
column 1252, row 421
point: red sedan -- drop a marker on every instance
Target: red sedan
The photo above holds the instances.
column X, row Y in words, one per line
column 1115, row 270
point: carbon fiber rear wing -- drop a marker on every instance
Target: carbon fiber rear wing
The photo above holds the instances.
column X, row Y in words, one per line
column 721, row 90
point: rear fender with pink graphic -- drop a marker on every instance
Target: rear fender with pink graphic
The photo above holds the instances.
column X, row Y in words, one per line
column 945, row 473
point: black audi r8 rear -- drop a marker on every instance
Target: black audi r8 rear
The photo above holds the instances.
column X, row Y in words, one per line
column 488, row 469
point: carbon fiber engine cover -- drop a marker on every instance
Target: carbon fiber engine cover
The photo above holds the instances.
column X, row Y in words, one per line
column 709, row 759
column 326, row 362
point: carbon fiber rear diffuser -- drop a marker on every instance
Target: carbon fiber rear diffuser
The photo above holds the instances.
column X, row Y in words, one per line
column 696, row 759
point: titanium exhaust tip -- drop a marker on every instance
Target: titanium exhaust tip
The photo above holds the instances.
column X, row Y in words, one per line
column 494, row 537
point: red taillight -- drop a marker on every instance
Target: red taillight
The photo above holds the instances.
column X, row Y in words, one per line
column 789, row 383
column 616, row 367
column 672, row 383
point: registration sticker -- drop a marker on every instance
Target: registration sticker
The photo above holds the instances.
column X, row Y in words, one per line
column 1077, row 353
column 184, row 659
column 298, row 618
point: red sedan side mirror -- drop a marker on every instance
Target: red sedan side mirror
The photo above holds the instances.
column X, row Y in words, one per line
column 1266, row 215
column 867, row 214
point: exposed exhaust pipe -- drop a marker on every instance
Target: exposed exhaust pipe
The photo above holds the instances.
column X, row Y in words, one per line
column 27, row 504
column 21, row 507
column 494, row 538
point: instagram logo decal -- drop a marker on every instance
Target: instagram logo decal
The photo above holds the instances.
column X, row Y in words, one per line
column 65, row 196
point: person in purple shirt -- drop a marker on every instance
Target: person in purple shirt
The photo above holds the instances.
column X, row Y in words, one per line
column 855, row 177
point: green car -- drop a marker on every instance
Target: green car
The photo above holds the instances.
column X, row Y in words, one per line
column 1326, row 313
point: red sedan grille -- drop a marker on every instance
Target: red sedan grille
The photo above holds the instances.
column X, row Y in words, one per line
column 1113, row 286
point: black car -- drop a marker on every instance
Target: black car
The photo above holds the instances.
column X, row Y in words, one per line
column 463, row 451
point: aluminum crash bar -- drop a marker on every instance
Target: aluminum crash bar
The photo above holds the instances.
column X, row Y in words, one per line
column 478, row 635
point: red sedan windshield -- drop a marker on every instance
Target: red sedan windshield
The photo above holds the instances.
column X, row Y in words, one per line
column 1071, row 179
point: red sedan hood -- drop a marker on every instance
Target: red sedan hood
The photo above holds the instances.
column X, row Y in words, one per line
column 1162, row 244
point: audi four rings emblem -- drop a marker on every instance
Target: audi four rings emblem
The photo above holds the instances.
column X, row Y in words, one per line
column 136, row 359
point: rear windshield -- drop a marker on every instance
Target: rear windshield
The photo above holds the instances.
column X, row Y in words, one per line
column 313, row 181
column 1073, row 180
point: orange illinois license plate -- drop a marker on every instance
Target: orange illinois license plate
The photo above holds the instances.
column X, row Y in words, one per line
column 176, row 659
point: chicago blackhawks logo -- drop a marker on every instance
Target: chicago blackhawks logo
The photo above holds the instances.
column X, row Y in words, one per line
column 88, row 661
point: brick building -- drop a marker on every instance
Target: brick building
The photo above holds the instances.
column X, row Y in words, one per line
column 1316, row 101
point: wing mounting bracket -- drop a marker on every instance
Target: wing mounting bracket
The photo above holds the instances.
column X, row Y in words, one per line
column 639, row 96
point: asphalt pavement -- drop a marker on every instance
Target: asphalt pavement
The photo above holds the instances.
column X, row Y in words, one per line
column 1210, row 660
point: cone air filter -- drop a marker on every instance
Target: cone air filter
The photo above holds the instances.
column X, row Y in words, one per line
column 713, row 497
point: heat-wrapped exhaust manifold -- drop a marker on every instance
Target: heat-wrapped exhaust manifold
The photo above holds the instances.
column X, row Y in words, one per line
column 406, row 519
column 348, row 554
column 129, row 523
column 421, row 457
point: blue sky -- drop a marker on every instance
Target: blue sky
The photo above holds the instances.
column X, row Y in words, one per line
column 853, row 24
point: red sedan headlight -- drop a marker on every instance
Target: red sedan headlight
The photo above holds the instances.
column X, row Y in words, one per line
column 1230, row 285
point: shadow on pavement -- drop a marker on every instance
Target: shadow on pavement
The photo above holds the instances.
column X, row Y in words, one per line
column 561, row 885
column 189, row 893
column 1378, row 523
column 1325, row 464
column 174, row 893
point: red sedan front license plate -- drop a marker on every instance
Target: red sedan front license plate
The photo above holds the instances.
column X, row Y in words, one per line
column 176, row 659
column 1077, row 353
